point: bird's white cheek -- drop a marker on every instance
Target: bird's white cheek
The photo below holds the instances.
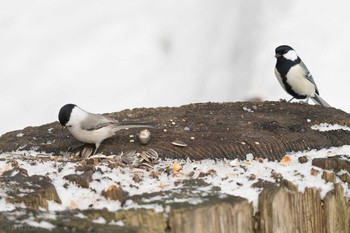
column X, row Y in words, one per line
column 301, row 85
column 291, row 55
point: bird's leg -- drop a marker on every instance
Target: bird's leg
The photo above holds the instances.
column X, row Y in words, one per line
column 290, row 100
column 95, row 151
column 97, row 145
column 307, row 99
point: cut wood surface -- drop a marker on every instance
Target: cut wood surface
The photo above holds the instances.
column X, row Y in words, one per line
column 210, row 130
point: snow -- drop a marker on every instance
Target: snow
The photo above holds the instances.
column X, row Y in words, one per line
column 100, row 220
column 41, row 224
column 234, row 177
column 323, row 127
column 113, row 55
column 118, row 223
column 6, row 206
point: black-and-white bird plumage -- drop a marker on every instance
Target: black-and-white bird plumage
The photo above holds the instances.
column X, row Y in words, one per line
column 294, row 76
column 92, row 128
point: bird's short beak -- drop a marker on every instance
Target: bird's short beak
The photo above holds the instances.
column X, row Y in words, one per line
column 277, row 55
column 64, row 127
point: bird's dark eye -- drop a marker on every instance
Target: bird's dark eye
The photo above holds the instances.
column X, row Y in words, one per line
column 69, row 126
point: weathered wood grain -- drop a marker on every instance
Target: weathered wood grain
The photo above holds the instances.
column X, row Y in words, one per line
column 282, row 210
column 146, row 221
column 211, row 130
column 336, row 211
column 228, row 215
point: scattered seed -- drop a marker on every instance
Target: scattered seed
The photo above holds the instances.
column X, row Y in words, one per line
column 177, row 167
column 144, row 157
column 152, row 154
column 144, row 136
column 137, row 171
column 179, row 143
column 286, row 160
column 86, row 152
column 331, row 155
column 98, row 156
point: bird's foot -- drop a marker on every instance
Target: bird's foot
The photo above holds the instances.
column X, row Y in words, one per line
column 290, row 100
column 282, row 100
column 304, row 102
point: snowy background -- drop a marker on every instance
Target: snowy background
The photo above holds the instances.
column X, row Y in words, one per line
column 106, row 56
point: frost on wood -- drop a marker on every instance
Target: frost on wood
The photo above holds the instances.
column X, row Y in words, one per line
column 280, row 210
column 34, row 191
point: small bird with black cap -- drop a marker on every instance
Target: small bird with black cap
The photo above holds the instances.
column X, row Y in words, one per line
column 294, row 77
column 92, row 128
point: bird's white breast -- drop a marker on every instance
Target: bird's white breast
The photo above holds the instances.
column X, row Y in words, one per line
column 78, row 116
column 91, row 136
column 299, row 83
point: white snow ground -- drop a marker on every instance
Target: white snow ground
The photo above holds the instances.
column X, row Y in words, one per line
column 110, row 55
column 232, row 176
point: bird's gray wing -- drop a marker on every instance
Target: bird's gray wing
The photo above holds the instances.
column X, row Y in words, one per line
column 96, row 121
column 308, row 75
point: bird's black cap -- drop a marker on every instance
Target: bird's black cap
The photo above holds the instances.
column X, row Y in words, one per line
column 282, row 49
column 64, row 114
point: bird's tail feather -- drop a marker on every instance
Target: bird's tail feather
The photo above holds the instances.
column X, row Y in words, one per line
column 128, row 125
column 317, row 99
